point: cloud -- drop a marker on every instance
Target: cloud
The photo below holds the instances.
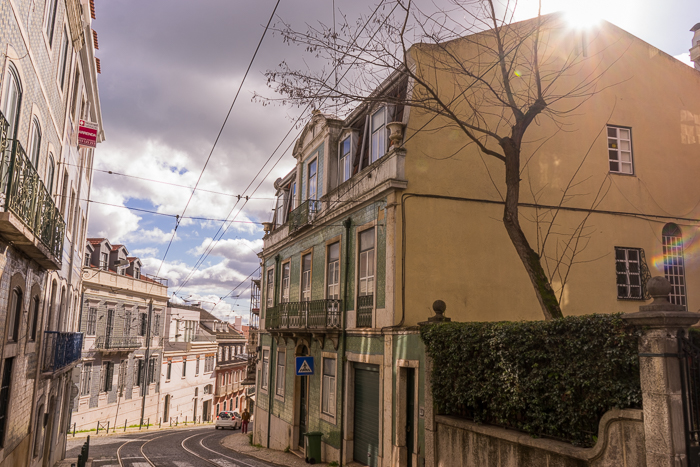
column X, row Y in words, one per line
column 154, row 235
column 685, row 58
column 240, row 250
column 142, row 252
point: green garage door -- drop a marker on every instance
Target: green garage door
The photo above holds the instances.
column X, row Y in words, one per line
column 366, row 423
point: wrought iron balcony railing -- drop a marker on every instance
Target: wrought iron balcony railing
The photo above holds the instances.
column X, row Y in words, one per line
column 303, row 215
column 365, row 304
column 159, row 280
column 312, row 315
column 60, row 350
column 23, row 193
column 119, row 343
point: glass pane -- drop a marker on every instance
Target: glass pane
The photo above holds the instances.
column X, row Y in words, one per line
column 619, row 253
column 328, row 367
column 621, row 279
column 626, row 167
column 367, row 239
column 612, row 143
column 614, row 166
column 312, row 168
column 378, row 120
column 306, row 263
column 345, row 147
column 625, row 145
column 334, row 252
column 621, row 291
column 624, row 133
column 612, row 154
column 370, row 263
column 633, row 255
column 363, row 265
column 625, row 156
column 612, row 132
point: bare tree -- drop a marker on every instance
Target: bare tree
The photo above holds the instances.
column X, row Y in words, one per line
column 483, row 74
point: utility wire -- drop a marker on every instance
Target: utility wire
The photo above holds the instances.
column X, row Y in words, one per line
column 166, row 214
column 177, row 223
column 331, row 74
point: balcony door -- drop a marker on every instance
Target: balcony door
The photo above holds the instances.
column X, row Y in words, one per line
column 109, row 329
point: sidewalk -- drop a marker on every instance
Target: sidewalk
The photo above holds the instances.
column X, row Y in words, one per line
column 240, row 443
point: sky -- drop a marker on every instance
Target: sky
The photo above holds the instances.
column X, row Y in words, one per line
column 170, row 71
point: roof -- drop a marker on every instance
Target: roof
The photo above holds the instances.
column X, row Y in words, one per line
column 695, row 28
column 205, row 315
column 96, row 241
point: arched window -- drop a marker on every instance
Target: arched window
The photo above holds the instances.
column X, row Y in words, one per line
column 12, row 100
column 51, row 308
column 35, row 142
column 674, row 264
column 14, row 315
column 38, row 430
column 50, row 168
column 34, row 319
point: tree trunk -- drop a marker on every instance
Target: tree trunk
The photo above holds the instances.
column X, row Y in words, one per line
column 528, row 256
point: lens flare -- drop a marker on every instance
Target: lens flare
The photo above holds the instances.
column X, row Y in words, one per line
column 690, row 248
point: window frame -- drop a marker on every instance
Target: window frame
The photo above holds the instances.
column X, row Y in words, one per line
column 626, row 263
column 184, row 368
column 34, row 147
column 337, row 269
column 63, row 61
column 285, row 281
column 618, row 150
column 14, row 315
column 373, row 261
column 107, row 377
column 385, row 140
column 675, row 273
column 280, row 375
column 16, row 107
column 49, row 28
column 169, row 370
column 91, row 324
column 86, row 379
column 332, row 383
column 305, row 293
column 343, row 175
column 265, row 369
column 270, row 287
column 312, row 160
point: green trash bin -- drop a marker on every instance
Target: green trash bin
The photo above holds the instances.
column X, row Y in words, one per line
column 313, row 446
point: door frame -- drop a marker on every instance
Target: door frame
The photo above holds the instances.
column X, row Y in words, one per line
column 400, row 411
column 349, row 403
column 297, row 394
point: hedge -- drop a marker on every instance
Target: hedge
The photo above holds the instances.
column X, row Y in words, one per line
column 547, row 378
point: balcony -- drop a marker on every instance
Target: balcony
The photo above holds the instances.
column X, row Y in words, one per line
column 118, row 344
column 303, row 215
column 61, row 349
column 314, row 315
column 365, row 304
column 29, row 218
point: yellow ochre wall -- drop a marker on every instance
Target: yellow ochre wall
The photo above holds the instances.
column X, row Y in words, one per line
column 459, row 251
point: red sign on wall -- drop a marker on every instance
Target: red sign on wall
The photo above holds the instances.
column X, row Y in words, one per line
column 87, row 134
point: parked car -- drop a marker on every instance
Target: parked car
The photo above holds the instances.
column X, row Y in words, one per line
column 228, row 420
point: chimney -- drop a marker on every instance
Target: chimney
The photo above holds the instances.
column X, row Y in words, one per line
column 695, row 49
column 238, row 322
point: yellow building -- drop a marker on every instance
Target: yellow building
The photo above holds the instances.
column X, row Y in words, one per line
column 394, row 208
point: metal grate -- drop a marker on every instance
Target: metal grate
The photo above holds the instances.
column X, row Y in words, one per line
column 674, row 268
column 689, row 356
column 365, row 304
column 313, row 314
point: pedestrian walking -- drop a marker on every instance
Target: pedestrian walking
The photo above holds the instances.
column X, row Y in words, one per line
column 245, row 416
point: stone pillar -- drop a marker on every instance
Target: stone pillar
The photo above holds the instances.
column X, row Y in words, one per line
column 660, row 323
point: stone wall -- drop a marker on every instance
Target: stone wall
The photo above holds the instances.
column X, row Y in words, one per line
column 461, row 443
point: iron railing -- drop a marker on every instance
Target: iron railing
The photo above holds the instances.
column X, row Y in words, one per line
column 313, row 314
column 60, row 350
column 26, row 196
column 303, row 215
column 365, row 304
column 120, row 342
column 159, row 280
column 689, row 355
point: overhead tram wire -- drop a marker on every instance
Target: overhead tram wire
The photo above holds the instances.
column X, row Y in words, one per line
column 331, row 74
column 223, row 125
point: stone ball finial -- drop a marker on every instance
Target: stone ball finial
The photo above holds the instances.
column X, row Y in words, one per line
column 659, row 287
column 439, row 307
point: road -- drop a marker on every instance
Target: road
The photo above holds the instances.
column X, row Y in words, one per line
column 188, row 447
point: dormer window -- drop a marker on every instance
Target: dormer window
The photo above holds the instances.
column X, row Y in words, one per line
column 345, row 161
column 104, row 261
column 313, row 168
column 87, row 260
column 122, row 271
column 137, row 272
column 378, row 138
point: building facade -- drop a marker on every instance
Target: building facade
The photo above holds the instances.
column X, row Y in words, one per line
column 48, row 84
column 188, row 373
column 231, row 363
column 380, row 219
column 122, row 320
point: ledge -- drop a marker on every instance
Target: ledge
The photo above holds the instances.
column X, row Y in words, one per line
column 662, row 319
column 21, row 237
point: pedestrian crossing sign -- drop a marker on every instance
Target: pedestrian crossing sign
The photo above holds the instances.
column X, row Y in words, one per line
column 305, row 366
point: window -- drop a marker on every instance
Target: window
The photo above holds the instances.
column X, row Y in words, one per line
column 270, row 296
column 367, row 262
column 196, row 367
column 209, row 364
column 674, row 263
column 345, row 161
column 76, row 83
column 151, row 370
column 169, row 371
column 63, row 60
column 137, row 272
column 333, row 277
column 51, row 19
column 64, row 197
column 227, row 352
column 14, row 317
column 11, row 102
column 71, row 211
column 312, row 185
column 91, row 321
column 620, row 150
column 265, row 369
column 86, row 379
column 293, row 196
column 122, row 269
column 107, row 376
column 138, row 368
column 143, row 319
column 378, row 138
column 328, row 389
column 127, row 323
column 279, row 210
column 285, row 283
column 87, row 260
column 221, row 354
column 306, row 278
column 629, row 273
column 279, row 377
column 121, row 377
column 104, row 262
column 156, row 325
column 35, row 143
column 184, row 368
column 5, row 398
column 35, row 318
column 49, row 174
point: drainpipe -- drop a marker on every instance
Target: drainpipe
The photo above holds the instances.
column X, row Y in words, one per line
column 272, row 354
column 347, row 223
